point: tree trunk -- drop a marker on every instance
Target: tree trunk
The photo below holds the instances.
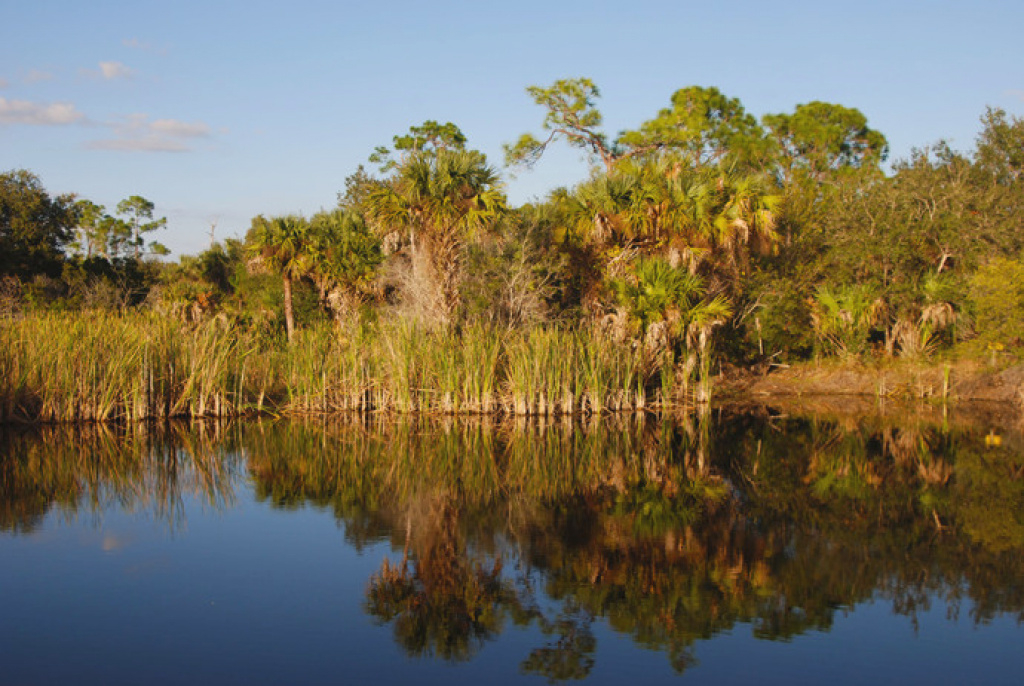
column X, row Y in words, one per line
column 449, row 272
column 289, row 314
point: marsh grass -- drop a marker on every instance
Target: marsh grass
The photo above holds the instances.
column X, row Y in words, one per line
column 99, row 366
column 102, row 367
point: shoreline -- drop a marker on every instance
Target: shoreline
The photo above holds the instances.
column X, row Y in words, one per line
column 957, row 381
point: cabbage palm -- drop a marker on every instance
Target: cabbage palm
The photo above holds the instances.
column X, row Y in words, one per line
column 658, row 292
column 664, row 207
column 843, row 318
column 279, row 244
column 669, row 304
column 438, row 199
column 342, row 256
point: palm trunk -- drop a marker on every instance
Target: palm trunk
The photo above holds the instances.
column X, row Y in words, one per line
column 448, row 268
column 289, row 314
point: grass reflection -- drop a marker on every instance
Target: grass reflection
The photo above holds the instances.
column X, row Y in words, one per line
column 90, row 468
column 669, row 532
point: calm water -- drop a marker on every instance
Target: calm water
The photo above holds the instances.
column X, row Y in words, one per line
column 781, row 550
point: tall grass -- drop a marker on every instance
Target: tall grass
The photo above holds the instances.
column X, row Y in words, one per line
column 100, row 366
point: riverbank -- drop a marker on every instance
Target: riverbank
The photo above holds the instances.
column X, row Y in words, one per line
column 961, row 380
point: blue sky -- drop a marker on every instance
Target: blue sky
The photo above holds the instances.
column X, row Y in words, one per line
column 218, row 111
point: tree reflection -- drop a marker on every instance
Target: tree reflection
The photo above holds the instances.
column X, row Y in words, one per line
column 449, row 603
column 571, row 654
column 667, row 532
column 92, row 467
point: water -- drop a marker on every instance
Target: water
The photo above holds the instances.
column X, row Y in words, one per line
column 781, row 550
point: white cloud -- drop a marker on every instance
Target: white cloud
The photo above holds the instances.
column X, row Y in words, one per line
column 38, row 114
column 136, row 44
column 37, row 75
column 4, row 83
column 109, row 71
column 114, row 70
column 147, row 143
column 137, row 133
column 182, row 129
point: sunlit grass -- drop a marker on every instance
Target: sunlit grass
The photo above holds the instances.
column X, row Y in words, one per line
column 98, row 366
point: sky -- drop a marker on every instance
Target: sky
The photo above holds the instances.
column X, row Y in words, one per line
column 219, row 111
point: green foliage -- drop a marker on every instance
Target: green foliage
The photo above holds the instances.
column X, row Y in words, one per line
column 843, row 319
column 821, row 139
column 450, row 192
column 778, row 317
column 138, row 209
column 438, row 200
column 280, row 244
column 202, row 285
column 570, row 114
column 430, row 137
column 1000, row 151
column 708, row 218
column 34, row 227
column 915, row 239
column 997, row 295
column 705, row 127
column 935, row 213
column 335, row 251
column 343, row 254
column 655, row 291
column 358, row 185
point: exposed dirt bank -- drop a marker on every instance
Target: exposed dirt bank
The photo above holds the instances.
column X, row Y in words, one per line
column 959, row 381
column 979, row 398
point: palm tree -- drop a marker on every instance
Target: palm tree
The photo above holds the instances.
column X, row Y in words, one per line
column 658, row 292
column 663, row 207
column 342, row 256
column 280, row 245
column 438, row 199
column 670, row 305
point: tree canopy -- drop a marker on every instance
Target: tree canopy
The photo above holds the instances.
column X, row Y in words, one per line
column 35, row 228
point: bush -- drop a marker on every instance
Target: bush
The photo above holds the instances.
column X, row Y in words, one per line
column 997, row 296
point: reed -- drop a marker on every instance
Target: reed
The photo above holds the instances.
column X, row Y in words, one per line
column 102, row 367
column 99, row 366
column 482, row 348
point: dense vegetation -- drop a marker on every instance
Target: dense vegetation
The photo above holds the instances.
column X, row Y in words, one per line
column 703, row 238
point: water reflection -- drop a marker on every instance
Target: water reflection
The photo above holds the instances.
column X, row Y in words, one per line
column 91, row 468
column 668, row 532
